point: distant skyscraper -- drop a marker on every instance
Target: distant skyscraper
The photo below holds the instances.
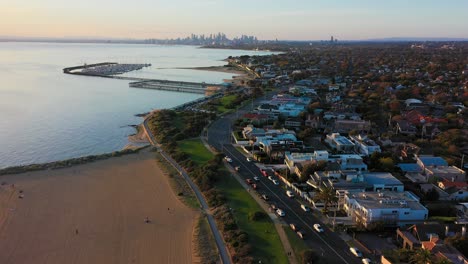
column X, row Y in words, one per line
column 331, row 40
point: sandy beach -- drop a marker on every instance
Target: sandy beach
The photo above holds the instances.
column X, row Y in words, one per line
column 94, row 213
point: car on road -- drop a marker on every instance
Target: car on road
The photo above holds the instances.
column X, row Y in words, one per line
column 294, row 227
column 273, row 206
column 366, row 261
column 249, row 181
column 249, row 159
column 290, row 194
column 270, row 178
column 280, row 212
column 265, row 197
column 355, row 252
column 318, row 228
column 237, row 168
column 305, row 207
column 228, row 159
column 263, row 172
column 301, row 234
column 256, row 178
column 254, row 186
column 275, row 182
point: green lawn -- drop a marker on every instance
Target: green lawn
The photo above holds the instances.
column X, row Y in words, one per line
column 197, row 151
column 263, row 237
column 224, row 101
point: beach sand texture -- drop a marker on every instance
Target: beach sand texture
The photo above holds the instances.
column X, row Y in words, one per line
column 94, row 213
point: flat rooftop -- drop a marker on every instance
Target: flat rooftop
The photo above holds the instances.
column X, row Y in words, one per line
column 381, row 178
column 387, row 200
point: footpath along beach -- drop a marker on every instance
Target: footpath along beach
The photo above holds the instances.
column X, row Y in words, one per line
column 95, row 213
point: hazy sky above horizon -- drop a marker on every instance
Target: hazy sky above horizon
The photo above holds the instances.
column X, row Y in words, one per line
column 266, row 19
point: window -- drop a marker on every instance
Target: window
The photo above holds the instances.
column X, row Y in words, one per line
column 406, row 213
column 394, row 211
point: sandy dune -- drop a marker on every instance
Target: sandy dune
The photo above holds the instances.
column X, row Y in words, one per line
column 106, row 202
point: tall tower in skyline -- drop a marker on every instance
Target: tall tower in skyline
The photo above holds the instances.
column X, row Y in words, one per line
column 331, row 39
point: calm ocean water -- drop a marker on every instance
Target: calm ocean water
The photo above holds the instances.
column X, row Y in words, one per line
column 46, row 115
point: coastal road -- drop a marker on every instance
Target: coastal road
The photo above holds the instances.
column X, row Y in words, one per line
column 328, row 244
column 223, row 252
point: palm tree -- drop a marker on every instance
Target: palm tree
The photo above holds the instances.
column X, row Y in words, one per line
column 327, row 195
column 421, row 256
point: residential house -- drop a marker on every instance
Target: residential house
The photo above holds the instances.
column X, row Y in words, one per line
column 345, row 125
column 365, row 145
column 430, row 236
column 438, row 167
column 293, row 123
column 339, row 143
column 387, row 208
column 405, row 128
column 454, row 190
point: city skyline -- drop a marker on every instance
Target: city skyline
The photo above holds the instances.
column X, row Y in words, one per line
column 299, row 20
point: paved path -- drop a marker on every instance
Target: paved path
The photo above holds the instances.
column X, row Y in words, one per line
column 278, row 225
column 223, row 252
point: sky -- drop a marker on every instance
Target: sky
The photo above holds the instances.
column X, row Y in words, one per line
column 266, row 19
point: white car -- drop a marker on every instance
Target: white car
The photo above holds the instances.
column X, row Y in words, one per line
column 256, row 178
column 228, row 159
column 271, row 178
column 290, row 194
column 275, row 182
column 318, row 228
column 366, row 261
column 305, row 207
column 355, row 252
column 280, row 212
column 249, row 159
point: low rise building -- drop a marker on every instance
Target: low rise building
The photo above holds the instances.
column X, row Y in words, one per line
column 365, row 145
column 345, row 125
column 339, row 143
column 387, row 208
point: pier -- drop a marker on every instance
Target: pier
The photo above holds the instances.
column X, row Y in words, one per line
column 144, row 83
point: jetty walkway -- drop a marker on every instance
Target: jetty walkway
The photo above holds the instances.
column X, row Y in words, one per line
column 145, row 83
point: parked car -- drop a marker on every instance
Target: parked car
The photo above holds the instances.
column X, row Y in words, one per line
column 254, row 186
column 294, row 227
column 249, row 181
column 355, row 252
column 265, row 197
column 228, row 159
column 270, row 178
column 264, row 173
column 305, row 207
column 366, row 261
column 273, row 206
column 237, row 168
column 249, row 159
column 290, row 194
column 301, row 234
column 280, row 212
column 275, row 182
column 256, row 178
column 318, row 228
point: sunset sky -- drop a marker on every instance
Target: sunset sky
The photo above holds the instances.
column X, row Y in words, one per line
column 266, row 19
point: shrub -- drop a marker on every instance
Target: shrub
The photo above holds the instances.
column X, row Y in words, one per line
column 257, row 216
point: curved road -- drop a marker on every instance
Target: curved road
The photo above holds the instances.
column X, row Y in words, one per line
column 223, row 252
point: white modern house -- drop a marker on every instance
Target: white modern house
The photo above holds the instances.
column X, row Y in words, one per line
column 340, row 143
column 365, row 145
column 387, row 208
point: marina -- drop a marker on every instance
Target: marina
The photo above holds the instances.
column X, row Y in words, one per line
column 113, row 69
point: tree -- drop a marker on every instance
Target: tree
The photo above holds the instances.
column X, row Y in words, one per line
column 310, row 168
column 386, row 164
column 421, row 256
column 327, row 195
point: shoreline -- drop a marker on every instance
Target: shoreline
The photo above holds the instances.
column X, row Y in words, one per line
column 59, row 164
